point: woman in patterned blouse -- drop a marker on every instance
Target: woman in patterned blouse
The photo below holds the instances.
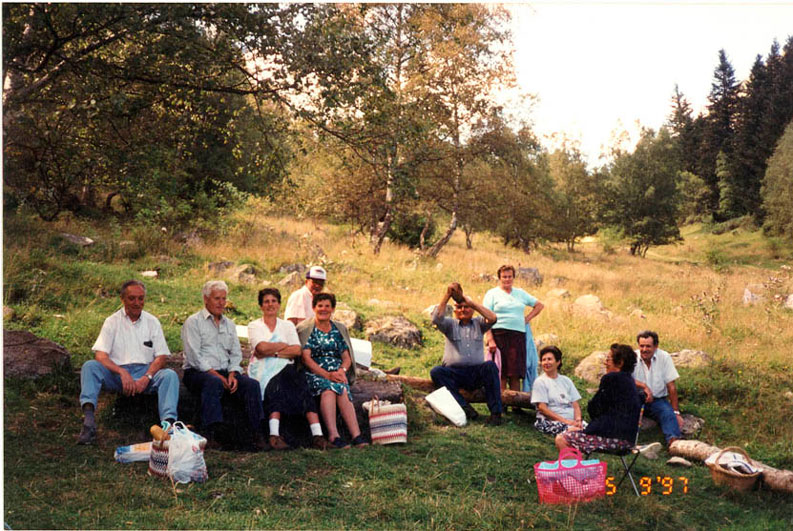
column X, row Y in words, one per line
column 326, row 355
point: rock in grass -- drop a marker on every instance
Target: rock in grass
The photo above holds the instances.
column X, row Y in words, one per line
column 679, row 461
column 789, row 302
column 82, row 241
column 427, row 312
column 543, row 340
column 590, row 306
column 690, row 358
column 558, row 293
column 8, row 313
column 753, row 294
column 591, row 368
column 394, row 330
column 348, row 318
column 149, row 274
column 219, row 267
column 531, row 274
column 28, row 356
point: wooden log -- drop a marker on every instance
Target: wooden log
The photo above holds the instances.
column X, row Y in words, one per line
column 779, row 480
column 508, row 398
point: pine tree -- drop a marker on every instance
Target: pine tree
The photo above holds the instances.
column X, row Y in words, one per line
column 778, row 188
column 746, row 167
column 719, row 122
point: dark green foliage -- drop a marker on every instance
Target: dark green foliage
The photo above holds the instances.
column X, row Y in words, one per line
column 642, row 198
column 407, row 228
column 778, row 188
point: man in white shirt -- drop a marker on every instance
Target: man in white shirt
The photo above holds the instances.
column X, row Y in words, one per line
column 129, row 357
column 655, row 375
column 212, row 357
column 299, row 306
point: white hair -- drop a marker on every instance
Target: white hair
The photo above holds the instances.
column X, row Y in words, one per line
column 214, row 285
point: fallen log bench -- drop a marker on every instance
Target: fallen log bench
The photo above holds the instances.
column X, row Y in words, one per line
column 508, row 398
column 143, row 408
column 775, row 479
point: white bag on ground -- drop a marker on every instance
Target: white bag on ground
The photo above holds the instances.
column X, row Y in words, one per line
column 442, row 401
column 186, row 456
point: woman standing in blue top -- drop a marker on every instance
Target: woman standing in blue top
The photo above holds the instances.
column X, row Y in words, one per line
column 512, row 333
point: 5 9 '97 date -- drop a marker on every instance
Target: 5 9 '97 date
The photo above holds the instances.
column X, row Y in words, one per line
column 664, row 484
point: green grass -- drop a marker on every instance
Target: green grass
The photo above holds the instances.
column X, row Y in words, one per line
column 445, row 477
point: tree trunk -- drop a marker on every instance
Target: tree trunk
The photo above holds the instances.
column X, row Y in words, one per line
column 779, row 480
column 424, row 230
column 509, row 398
column 469, row 232
column 436, row 248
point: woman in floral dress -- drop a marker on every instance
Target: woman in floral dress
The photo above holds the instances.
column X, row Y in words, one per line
column 327, row 358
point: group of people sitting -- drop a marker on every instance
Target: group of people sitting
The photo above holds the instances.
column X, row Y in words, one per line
column 615, row 408
column 131, row 353
column 491, row 351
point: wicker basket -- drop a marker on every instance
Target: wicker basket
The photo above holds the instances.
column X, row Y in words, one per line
column 734, row 480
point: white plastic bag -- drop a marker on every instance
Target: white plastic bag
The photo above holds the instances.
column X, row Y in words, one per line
column 186, row 456
column 133, row 452
column 442, row 401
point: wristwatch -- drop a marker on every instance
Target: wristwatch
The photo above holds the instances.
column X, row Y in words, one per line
column 149, row 376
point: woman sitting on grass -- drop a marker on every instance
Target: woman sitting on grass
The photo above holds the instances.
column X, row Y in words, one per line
column 331, row 368
column 555, row 396
column 614, row 410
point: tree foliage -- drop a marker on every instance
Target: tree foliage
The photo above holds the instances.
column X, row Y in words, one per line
column 642, row 194
column 777, row 189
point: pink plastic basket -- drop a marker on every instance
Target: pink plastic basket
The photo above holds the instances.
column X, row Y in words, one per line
column 569, row 479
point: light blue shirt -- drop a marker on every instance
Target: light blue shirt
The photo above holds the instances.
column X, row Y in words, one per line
column 509, row 307
column 207, row 346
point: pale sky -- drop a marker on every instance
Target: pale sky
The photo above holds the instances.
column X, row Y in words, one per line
column 598, row 66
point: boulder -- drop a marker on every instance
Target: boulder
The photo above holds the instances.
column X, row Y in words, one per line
column 8, row 313
column 558, row 281
column 245, row 273
column 590, row 306
column 219, row 267
column 82, row 241
column 28, row 356
column 348, row 318
column 789, row 302
column 532, row 274
column 690, row 358
column 691, row 425
column 427, row 312
column 558, row 293
column 292, row 279
column 394, row 330
column 638, row 314
column 485, row 277
column 591, row 368
column 300, row 269
column 382, row 304
column 543, row 340
column 754, row 294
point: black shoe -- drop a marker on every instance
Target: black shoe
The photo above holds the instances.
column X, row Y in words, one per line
column 494, row 420
column 261, row 444
column 470, row 412
column 87, row 435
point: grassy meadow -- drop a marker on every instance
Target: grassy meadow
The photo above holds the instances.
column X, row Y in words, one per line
column 445, row 477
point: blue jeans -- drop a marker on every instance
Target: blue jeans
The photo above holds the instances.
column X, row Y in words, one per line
column 471, row 377
column 248, row 396
column 661, row 411
column 95, row 377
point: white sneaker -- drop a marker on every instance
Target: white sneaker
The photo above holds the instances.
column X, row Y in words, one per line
column 650, row 451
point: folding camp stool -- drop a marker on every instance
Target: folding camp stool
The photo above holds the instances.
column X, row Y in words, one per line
column 634, row 450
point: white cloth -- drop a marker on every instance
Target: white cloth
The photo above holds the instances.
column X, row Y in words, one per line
column 661, row 372
column 559, row 393
column 128, row 342
column 263, row 369
column 299, row 304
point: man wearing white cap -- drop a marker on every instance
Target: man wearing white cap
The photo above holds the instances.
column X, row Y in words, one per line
column 299, row 307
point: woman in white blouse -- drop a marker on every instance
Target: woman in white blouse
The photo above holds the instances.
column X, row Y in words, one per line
column 555, row 396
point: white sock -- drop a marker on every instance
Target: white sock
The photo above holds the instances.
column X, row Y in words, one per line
column 275, row 425
column 316, row 429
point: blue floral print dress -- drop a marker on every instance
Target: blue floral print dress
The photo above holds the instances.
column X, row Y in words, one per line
column 326, row 350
